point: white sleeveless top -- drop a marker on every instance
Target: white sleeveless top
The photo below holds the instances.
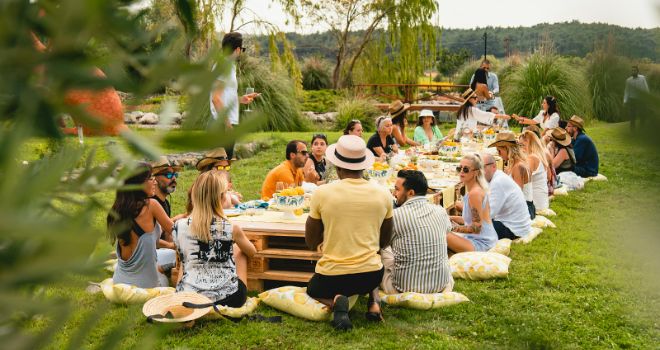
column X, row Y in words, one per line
column 528, row 191
column 540, row 188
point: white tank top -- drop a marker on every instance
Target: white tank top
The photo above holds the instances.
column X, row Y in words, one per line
column 540, row 188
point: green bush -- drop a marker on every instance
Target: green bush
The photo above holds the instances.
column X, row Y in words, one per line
column 315, row 74
column 356, row 108
column 278, row 97
column 544, row 74
column 468, row 68
column 319, row 101
column 607, row 74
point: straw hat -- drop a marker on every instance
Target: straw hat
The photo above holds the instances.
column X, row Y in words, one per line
column 426, row 113
column 161, row 165
column 535, row 129
column 397, row 107
column 468, row 94
column 211, row 157
column 505, row 139
column 350, row 152
column 577, row 122
column 560, row 136
column 169, row 308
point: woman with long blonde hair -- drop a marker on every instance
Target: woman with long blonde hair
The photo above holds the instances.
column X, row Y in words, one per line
column 516, row 166
column 212, row 263
column 475, row 225
column 533, row 145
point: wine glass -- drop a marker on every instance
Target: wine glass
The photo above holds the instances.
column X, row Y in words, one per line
column 279, row 186
column 249, row 91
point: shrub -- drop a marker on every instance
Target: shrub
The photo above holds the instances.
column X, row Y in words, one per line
column 315, row 74
column 319, row 101
column 546, row 74
column 468, row 68
column 278, row 97
column 607, row 74
column 356, row 108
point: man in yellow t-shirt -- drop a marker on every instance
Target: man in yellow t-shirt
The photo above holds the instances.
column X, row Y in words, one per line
column 352, row 220
column 289, row 172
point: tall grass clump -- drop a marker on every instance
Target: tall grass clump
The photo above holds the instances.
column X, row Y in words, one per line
column 544, row 74
column 606, row 73
column 467, row 69
column 278, row 95
column 356, row 108
column 315, row 74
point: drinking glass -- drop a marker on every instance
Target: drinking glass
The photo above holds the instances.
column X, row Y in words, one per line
column 279, row 186
column 249, row 91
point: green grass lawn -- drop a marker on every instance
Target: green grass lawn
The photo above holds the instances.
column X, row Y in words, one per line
column 591, row 283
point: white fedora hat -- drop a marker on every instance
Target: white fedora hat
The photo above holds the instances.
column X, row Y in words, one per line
column 170, row 308
column 350, row 152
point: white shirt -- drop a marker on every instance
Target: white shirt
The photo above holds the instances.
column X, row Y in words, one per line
column 634, row 87
column 229, row 85
column 551, row 123
column 474, row 115
column 507, row 204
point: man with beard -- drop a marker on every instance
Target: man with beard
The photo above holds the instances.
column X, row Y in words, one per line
column 289, row 172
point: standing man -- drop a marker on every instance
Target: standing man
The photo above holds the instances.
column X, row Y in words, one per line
column 289, row 172
column 165, row 174
column 224, row 94
column 351, row 220
column 493, row 88
column 417, row 260
column 632, row 96
column 586, row 154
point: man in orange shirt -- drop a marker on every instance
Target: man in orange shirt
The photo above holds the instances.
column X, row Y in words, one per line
column 289, row 172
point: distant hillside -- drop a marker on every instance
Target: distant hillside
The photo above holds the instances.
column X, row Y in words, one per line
column 570, row 39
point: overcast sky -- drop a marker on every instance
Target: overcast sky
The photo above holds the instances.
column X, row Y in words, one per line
column 508, row 13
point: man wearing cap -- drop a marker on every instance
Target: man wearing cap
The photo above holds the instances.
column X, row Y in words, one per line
column 349, row 221
column 166, row 175
column 417, row 259
column 217, row 159
column 586, row 155
column 636, row 86
column 508, row 208
column 289, row 172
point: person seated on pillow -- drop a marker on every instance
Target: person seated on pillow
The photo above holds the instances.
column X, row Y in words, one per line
column 475, row 227
column 417, row 259
column 508, row 208
column 135, row 222
column 212, row 250
column 217, row 159
column 586, row 154
column 351, row 220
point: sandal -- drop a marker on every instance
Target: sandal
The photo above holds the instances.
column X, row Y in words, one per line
column 374, row 316
column 340, row 320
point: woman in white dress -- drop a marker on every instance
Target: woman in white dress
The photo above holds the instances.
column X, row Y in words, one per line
column 468, row 115
column 548, row 117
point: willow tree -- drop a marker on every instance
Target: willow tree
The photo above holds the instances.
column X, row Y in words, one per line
column 355, row 22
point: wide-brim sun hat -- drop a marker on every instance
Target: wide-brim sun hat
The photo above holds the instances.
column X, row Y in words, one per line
column 426, row 113
column 577, row 122
column 560, row 136
column 468, row 94
column 211, row 157
column 161, row 165
column 350, row 152
column 504, row 139
column 170, row 308
column 397, row 107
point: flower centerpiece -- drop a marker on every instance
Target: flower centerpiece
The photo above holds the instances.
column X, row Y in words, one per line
column 289, row 200
column 379, row 172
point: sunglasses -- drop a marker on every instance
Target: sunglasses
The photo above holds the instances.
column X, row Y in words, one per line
column 223, row 167
column 169, row 175
column 304, row 153
column 464, row 169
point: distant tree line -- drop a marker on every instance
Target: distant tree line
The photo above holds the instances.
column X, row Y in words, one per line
column 570, row 39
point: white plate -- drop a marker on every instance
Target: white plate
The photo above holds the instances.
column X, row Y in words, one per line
column 233, row 212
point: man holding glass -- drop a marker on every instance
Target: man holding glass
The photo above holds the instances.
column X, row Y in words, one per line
column 224, row 94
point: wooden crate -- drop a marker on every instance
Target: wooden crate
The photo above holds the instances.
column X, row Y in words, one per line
column 282, row 255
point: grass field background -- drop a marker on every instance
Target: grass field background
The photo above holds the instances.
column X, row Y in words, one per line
column 593, row 282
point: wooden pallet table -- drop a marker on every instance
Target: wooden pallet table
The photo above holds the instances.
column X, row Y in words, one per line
column 282, row 255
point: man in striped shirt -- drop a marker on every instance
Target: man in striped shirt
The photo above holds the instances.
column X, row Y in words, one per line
column 417, row 259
